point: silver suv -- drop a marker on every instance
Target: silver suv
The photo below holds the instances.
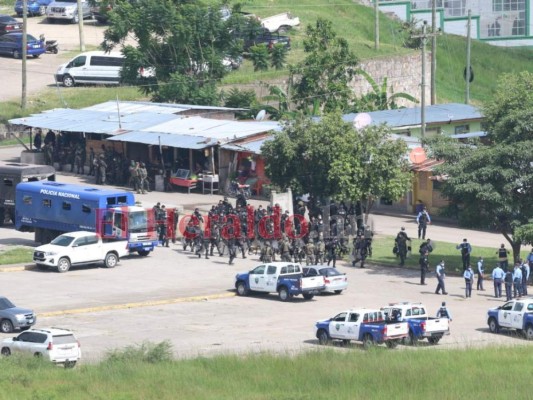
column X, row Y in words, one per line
column 58, row 345
column 13, row 317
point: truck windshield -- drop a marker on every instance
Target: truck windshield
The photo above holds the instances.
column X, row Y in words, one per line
column 5, row 304
column 137, row 221
column 62, row 240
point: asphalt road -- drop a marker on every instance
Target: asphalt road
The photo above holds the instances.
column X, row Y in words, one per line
column 40, row 71
column 172, row 295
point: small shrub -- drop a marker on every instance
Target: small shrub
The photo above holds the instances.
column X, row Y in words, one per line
column 146, row 352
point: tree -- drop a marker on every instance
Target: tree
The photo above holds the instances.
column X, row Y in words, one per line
column 325, row 73
column 379, row 98
column 259, row 56
column 491, row 182
column 329, row 158
column 184, row 42
column 371, row 166
column 301, row 154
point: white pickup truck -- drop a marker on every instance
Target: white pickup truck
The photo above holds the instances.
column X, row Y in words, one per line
column 421, row 325
column 79, row 248
column 285, row 278
column 280, row 23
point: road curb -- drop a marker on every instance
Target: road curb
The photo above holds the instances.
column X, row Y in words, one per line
column 17, row 267
column 136, row 305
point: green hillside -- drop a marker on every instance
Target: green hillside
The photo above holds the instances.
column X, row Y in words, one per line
column 355, row 23
column 351, row 21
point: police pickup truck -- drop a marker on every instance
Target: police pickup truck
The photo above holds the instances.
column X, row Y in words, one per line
column 284, row 278
column 421, row 325
column 368, row 326
column 79, row 248
column 516, row 314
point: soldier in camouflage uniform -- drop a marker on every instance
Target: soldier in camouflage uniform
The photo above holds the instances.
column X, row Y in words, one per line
column 310, row 253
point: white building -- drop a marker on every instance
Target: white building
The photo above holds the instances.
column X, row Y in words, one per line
column 497, row 22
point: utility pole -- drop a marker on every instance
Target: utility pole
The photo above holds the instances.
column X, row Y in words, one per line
column 80, row 26
column 423, row 38
column 433, row 52
column 376, row 25
column 24, row 52
column 468, row 44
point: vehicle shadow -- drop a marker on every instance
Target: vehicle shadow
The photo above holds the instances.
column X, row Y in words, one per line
column 273, row 297
column 512, row 333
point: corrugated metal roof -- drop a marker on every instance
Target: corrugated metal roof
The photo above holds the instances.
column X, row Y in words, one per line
column 252, row 146
column 222, row 130
column 69, row 120
column 129, row 107
column 165, row 139
column 440, row 113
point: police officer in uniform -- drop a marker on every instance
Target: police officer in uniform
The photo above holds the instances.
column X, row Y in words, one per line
column 469, row 280
column 423, row 219
column 310, row 253
column 424, row 267
column 443, row 312
column 466, row 249
column 401, row 245
column 480, row 274
column 497, row 276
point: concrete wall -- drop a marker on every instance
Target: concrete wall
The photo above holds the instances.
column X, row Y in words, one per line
column 403, row 74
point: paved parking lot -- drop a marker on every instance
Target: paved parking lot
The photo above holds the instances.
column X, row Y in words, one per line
column 173, row 295
column 40, row 72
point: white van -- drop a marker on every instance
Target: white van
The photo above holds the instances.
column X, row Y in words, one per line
column 96, row 67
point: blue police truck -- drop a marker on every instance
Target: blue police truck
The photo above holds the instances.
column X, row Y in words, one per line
column 52, row 208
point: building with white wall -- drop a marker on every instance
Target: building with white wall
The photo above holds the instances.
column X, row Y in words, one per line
column 497, row 22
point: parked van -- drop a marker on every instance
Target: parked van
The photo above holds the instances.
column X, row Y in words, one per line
column 91, row 67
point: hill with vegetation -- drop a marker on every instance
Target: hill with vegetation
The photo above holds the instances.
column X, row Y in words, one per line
column 355, row 23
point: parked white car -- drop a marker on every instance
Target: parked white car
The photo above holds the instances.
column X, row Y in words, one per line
column 60, row 346
column 335, row 281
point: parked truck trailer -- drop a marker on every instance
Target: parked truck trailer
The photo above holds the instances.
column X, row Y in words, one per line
column 11, row 174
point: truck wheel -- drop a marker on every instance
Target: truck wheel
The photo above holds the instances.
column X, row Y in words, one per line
column 391, row 344
column 6, row 352
column 63, row 265
column 283, row 293
column 6, row 326
column 528, row 332
column 70, row 364
column 368, row 341
column 242, row 290
column 434, row 339
column 308, row 296
column 143, row 253
column 111, row 260
column 323, row 337
column 493, row 325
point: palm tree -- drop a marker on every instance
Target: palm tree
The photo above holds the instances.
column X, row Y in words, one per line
column 379, row 99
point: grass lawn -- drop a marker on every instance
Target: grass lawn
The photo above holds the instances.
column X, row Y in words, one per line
column 16, row 255
column 327, row 373
column 382, row 255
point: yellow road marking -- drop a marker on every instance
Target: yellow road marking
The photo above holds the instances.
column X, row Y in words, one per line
column 136, row 305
